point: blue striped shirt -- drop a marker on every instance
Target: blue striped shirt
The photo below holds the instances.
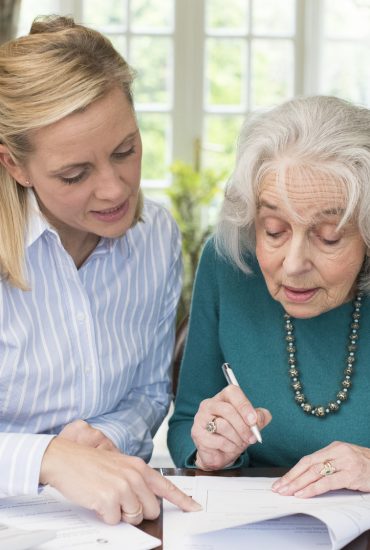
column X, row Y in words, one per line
column 93, row 343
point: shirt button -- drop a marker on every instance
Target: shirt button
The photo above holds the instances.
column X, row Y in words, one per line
column 81, row 316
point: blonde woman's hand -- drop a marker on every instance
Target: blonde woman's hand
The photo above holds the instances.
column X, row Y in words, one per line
column 116, row 486
column 81, row 432
column 233, row 415
column 338, row 466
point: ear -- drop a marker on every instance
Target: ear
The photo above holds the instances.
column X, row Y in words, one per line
column 14, row 169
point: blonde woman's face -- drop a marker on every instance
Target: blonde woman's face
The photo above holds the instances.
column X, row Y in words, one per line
column 85, row 170
column 308, row 264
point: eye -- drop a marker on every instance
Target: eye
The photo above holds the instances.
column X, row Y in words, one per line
column 72, row 180
column 124, row 154
column 330, row 242
column 329, row 236
column 274, row 234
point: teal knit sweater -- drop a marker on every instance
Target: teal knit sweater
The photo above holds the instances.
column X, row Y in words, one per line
column 235, row 320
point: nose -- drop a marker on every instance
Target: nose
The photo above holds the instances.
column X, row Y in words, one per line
column 297, row 260
column 109, row 184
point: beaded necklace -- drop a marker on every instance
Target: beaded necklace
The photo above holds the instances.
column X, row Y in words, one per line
column 333, row 406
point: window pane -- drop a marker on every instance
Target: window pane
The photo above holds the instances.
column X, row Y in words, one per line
column 273, row 72
column 151, row 14
column 155, row 133
column 225, row 70
column 31, row 9
column 220, row 137
column 347, row 71
column 347, row 18
column 151, row 58
column 273, row 18
column 95, row 13
column 233, row 18
column 119, row 43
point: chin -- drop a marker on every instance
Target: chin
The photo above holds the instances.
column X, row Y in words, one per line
column 300, row 312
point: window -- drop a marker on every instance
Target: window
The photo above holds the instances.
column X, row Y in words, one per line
column 201, row 68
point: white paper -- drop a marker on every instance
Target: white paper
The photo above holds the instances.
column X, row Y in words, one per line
column 12, row 538
column 75, row 527
column 240, row 501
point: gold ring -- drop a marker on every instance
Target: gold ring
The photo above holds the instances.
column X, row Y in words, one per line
column 132, row 515
column 211, row 426
column 328, row 469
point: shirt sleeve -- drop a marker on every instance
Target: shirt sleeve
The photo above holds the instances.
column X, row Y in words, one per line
column 20, row 462
column 133, row 424
column 200, row 373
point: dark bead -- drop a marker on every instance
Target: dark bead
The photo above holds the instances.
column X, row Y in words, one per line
column 355, row 325
column 296, row 385
column 307, row 408
column 300, row 398
column 357, row 304
column 293, row 372
column 320, row 411
column 342, row 395
column 348, row 370
column 289, row 338
column 346, row 383
column 353, row 336
column 351, row 359
column 289, row 327
column 333, row 406
column 292, row 361
column 291, row 349
column 286, row 316
column 352, row 347
column 356, row 315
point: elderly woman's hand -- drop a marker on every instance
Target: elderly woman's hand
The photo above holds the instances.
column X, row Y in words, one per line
column 337, row 466
column 233, row 415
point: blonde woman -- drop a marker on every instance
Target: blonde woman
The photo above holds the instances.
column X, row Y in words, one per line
column 90, row 278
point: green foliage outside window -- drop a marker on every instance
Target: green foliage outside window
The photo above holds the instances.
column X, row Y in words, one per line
column 191, row 193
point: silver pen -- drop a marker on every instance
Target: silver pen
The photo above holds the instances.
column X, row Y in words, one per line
column 231, row 379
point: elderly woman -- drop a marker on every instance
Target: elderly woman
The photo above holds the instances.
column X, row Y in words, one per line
column 281, row 295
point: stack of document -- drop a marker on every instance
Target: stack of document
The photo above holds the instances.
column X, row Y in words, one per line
column 243, row 512
column 27, row 522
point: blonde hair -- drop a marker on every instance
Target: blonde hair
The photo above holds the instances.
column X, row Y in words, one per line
column 59, row 68
column 313, row 136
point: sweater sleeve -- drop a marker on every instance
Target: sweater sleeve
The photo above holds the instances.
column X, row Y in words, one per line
column 200, row 373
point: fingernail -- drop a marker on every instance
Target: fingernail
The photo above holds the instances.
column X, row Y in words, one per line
column 275, row 486
column 252, row 439
column 283, row 490
column 195, row 506
column 251, row 418
column 299, row 493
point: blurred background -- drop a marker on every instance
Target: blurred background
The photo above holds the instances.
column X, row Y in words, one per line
column 202, row 66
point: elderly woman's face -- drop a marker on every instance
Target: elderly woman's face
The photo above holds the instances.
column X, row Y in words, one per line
column 308, row 264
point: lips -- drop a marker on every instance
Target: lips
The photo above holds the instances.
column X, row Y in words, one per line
column 112, row 214
column 299, row 295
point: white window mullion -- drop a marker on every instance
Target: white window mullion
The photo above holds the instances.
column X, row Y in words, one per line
column 313, row 23
column 188, row 78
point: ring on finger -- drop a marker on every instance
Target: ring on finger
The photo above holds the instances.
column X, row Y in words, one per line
column 133, row 515
column 211, row 426
column 328, row 469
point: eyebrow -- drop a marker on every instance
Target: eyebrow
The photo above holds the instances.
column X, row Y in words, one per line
column 336, row 211
column 129, row 137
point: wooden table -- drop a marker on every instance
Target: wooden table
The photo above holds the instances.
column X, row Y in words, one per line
column 155, row 527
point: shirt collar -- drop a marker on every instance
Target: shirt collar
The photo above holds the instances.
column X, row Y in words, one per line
column 37, row 224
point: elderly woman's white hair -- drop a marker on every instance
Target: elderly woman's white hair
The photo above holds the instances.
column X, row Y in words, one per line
column 319, row 135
